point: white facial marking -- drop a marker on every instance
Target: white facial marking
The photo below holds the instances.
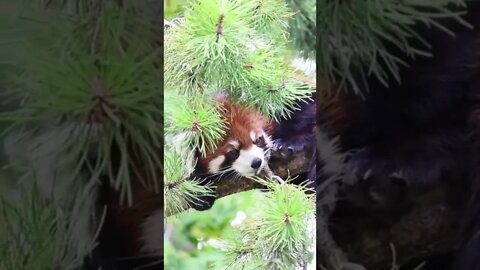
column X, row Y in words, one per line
column 253, row 136
column 214, row 165
column 235, row 144
column 268, row 140
column 243, row 164
column 152, row 234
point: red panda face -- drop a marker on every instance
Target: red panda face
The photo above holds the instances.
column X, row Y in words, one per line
column 251, row 159
column 244, row 157
column 245, row 147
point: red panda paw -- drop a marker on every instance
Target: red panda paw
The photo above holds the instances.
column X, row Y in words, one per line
column 284, row 148
column 281, row 150
column 371, row 180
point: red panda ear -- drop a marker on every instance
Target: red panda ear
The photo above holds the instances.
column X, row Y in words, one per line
column 223, row 101
column 221, row 97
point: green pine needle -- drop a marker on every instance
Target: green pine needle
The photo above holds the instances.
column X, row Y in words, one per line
column 98, row 73
column 271, row 17
column 201, row 123
column 353, row 36
column 280, row 100
column 210, row 44
column 278, row 236
column 302, row 26
column 178, row 190
column 35, row 234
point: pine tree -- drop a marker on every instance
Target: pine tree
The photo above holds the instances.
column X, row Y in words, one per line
column 355, row 38
column 83, row 77
column 355, row 45
column 241, row 47
column 79, row 78
column 81, row 90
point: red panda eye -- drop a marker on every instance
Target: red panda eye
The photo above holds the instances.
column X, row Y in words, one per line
column 233, row 150
column 233, row 153
column 260, row 141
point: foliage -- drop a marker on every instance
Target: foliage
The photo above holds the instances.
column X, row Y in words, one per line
column 97, row 69
column 189, row 235
column 173, row 8
column 210, row 239
column 36, row 234
column 303, row 26
column 242, row 48
column 179, row 188
column 224, row 45
column 202, row 125
column 278, row 236
column 82, row 79
column 354, row 37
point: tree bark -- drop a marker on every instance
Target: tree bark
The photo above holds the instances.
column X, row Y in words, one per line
column 283, row 167
column 377, row 239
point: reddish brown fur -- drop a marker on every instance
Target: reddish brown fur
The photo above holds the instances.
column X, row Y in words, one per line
column 129, row 218
column 240, row 121
column 124, row 221
column 333, row 110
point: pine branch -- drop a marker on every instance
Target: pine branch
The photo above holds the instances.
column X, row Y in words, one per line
column 303, row 26
column 94, row 72
column 356, row 37
column 36, row 234
column 239, row 47
column 282, row 167
column 278, row 235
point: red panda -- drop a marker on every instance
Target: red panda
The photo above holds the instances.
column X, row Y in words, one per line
column 246, row 146
column 130, row 237
column 412, row 136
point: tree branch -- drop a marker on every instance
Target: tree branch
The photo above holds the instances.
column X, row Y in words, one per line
column 429, row 228
column 283, row 167
column 297, row 162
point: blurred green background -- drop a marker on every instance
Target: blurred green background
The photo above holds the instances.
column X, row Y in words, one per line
column 173, row 8
column 188, row 236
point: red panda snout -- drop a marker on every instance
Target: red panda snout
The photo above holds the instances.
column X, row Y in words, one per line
column 250, row 161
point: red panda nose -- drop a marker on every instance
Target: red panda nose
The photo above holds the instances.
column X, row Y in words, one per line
column 256, row 163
